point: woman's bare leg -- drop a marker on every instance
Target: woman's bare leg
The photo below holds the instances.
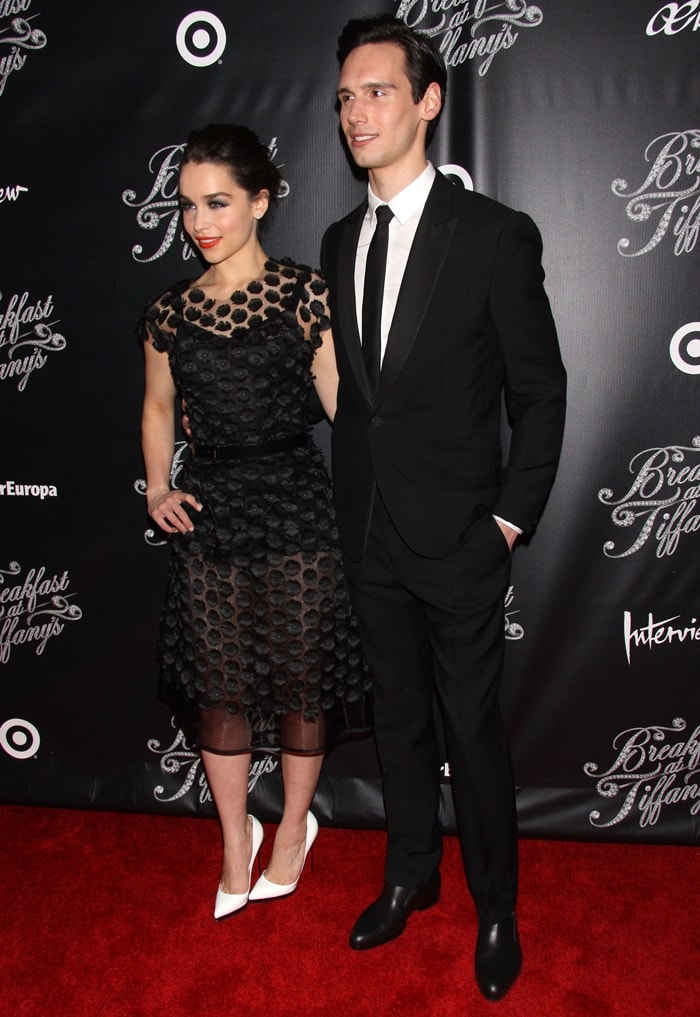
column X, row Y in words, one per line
column 300, row 776
column 228, row 782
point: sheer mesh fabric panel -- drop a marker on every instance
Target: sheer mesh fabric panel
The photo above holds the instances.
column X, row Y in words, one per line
column 281, row 619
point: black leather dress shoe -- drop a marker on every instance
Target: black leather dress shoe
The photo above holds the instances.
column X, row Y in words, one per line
column 386, row 918
column 498, row 958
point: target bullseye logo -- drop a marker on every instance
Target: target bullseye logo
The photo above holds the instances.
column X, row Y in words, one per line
column 19, row 738
column 201, row 38
column 685, row 348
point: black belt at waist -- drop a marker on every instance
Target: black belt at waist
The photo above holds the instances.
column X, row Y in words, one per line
column 253, row 451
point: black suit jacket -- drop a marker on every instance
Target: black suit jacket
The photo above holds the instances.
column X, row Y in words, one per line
column 472, row 322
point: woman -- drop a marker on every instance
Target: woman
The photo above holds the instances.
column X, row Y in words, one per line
column 257, row 638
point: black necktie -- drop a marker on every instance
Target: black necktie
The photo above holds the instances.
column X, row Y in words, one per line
column 373, row 295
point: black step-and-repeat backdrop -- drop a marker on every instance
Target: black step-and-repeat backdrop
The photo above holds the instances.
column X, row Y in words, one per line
column 586, row 115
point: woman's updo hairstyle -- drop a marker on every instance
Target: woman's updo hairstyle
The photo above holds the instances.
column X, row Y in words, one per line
column 240, row 150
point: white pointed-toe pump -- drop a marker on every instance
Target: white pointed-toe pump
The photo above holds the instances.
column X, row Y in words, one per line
column 228, row 903
column 265, row 890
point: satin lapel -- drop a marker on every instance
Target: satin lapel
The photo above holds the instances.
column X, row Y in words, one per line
column 345, row 330
column 423, row 268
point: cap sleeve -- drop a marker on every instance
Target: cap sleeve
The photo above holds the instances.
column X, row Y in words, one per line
column 160, row 321
column 313, row 307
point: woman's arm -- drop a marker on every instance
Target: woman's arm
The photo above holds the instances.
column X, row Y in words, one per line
column 326, row 375
column 158, row 442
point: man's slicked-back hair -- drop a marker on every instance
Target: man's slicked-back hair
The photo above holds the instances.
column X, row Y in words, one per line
column 424, row 63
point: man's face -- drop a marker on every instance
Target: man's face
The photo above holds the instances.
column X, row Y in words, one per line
column 382, row 124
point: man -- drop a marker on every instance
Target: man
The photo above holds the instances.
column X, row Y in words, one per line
column 427, row 513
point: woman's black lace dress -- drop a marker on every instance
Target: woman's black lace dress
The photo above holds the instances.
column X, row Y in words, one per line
column 258, row 645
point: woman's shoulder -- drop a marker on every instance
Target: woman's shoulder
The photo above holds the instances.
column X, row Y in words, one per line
column 303, row 291
column 290, row 269
column 169, row 300
column 174, row 293
column 162, row 315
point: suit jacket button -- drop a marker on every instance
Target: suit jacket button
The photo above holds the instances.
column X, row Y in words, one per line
column 377, row 421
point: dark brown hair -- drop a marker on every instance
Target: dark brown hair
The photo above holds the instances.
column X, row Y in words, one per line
column 239, row 149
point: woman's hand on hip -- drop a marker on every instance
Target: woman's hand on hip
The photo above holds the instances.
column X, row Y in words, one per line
column 166, row 508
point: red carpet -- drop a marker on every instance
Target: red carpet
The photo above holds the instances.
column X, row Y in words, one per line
column 107, row 915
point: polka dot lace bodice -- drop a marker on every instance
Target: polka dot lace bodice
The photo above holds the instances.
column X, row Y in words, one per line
column 243, row 365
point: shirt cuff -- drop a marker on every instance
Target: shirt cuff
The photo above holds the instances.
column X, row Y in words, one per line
column 512, row 525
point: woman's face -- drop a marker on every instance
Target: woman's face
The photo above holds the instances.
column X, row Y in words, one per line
column 218, row 215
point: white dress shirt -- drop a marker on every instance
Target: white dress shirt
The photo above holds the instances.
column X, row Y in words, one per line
column 407, row 207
